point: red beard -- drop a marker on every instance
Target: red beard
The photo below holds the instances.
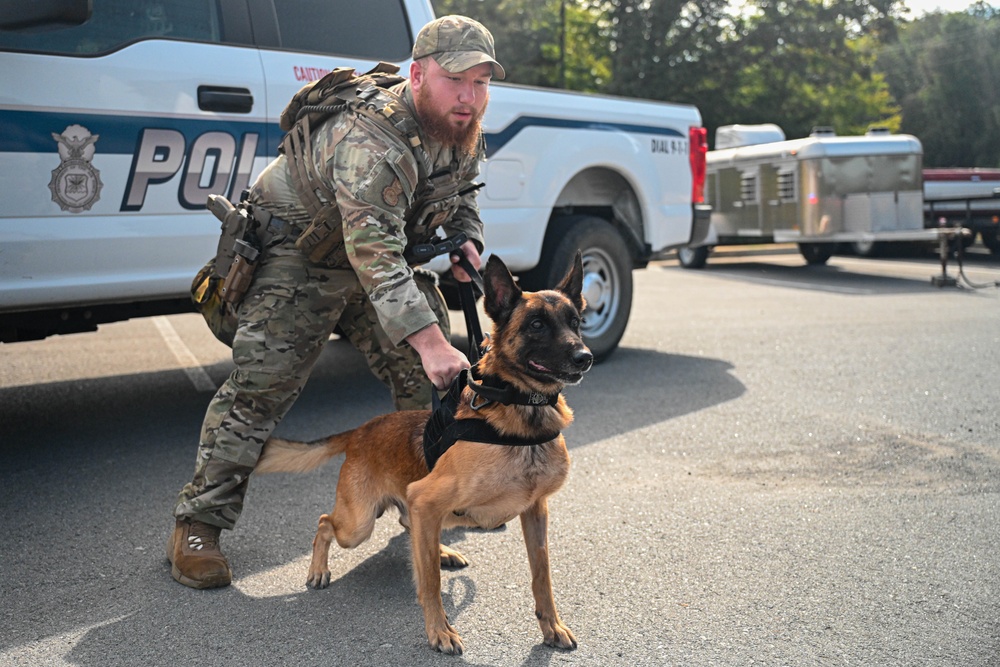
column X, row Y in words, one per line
column 464, row 139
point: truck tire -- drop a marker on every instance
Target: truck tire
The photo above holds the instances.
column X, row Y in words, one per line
column 693, row 258
column 816, row 253
column 607, row 276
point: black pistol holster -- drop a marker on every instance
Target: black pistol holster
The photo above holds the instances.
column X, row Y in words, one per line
column 238, row 250
column 221, row 284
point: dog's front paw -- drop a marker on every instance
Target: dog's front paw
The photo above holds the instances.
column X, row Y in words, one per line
column 445, row 639
column 318, row 579
column 558, row 635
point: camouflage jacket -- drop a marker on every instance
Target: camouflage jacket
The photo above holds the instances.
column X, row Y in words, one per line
column 380, row 187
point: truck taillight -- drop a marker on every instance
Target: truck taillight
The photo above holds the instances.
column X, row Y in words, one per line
column 698, row 137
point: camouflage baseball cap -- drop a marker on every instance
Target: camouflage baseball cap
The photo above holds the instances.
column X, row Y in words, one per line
column 457, row 43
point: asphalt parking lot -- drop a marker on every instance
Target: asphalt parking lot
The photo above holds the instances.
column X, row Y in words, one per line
column 782, row 465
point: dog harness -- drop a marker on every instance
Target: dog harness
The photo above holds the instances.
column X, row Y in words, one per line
column 443, row 430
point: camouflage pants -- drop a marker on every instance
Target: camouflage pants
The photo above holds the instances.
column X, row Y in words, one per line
column 285, row 320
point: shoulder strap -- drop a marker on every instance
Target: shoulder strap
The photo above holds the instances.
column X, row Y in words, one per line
column 339, row 90
column 328, row 95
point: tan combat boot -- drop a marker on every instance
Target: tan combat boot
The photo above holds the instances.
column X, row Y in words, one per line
column 193, row 552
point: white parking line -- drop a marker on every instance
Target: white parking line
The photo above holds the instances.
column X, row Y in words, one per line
column 199, row 378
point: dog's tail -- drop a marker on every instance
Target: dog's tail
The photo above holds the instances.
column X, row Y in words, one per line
column 280, row 455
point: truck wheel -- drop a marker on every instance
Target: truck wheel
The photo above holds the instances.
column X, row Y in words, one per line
column 607, row 276
column 990, row 240
column 693, row 258
column 816, row 253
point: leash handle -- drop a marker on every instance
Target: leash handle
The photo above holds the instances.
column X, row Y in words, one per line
column 467, row 296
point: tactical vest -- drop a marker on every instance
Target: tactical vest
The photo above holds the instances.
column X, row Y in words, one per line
column 367, row 94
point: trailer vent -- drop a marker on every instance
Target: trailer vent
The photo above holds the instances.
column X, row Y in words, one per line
column 748, row 187
column 786, row 185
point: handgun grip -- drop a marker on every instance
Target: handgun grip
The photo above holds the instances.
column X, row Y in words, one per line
column 220, row 207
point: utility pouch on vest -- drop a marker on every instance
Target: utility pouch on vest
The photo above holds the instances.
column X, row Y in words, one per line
column 440, row 205
column 323, row 239
column 441, row 198
column 433, row 214
column 206, row 294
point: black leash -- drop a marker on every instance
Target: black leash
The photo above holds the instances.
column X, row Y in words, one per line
column 467, row 296
column 423, row 252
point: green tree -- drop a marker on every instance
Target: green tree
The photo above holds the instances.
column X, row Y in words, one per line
column 798, row 63
column 530, row 38
column 668, row 49
column 810, row 63
column 945, row 72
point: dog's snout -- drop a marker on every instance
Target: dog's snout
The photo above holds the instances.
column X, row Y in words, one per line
column 583, row 359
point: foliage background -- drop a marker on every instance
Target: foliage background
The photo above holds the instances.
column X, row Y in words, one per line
column 848, row 64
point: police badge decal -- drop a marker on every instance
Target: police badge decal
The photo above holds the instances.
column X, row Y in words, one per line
column 76, row 184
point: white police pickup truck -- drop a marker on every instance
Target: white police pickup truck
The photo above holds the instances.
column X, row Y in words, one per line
column 120, row 117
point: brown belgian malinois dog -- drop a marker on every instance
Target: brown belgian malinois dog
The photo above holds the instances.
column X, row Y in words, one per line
column 535, row 349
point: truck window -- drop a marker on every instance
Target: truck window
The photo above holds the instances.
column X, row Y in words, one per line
column 345, row 28
column 116, row 23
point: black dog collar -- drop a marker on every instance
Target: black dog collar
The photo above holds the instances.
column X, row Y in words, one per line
column 443, row 430
column 494, row 390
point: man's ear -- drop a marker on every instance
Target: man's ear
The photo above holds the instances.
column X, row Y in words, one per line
column 416, row 76
column 502, row 293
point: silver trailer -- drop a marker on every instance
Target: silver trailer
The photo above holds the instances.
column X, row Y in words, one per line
column 817, row 192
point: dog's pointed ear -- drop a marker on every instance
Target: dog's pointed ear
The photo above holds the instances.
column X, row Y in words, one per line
column 502, row 293
column 572, row 284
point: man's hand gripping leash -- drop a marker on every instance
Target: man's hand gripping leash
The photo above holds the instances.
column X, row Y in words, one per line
column 441, row 361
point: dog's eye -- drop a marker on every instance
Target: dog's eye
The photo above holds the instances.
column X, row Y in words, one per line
column 575, row 323
column 537, row 324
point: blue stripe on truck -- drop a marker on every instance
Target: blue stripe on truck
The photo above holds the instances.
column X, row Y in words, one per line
column 30, row 131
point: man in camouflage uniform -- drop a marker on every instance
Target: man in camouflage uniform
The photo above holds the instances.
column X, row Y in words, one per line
column 394, row 315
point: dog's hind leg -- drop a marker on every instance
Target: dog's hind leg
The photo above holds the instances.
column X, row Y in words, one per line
column 319, row 566
column 535, row 525
column 449, row 557
column 350, row 523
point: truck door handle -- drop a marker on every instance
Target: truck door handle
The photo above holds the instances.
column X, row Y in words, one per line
column 221, row 98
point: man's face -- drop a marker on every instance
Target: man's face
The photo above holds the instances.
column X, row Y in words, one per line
column 451, row 104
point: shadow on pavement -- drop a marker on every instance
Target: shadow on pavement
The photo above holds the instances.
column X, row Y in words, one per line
column 93, row 467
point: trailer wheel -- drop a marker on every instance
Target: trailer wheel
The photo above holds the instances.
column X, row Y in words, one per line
column 607, row 276
column 990, row 240
column 963, row 240
column 693, row 258
column 816, row 253
column 867, row 248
